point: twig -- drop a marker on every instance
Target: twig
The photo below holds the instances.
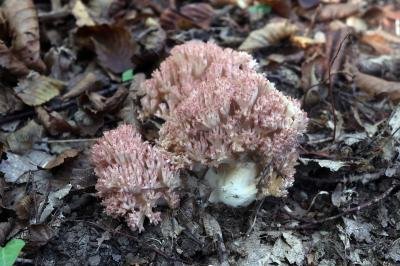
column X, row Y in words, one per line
column 65, row 140
column 57, row 107
column 331, row 94
column 313, row 224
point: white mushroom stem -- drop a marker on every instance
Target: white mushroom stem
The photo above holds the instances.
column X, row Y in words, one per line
column 233, row 185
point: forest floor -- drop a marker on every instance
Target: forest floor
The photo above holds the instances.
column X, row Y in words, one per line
column 70, row 70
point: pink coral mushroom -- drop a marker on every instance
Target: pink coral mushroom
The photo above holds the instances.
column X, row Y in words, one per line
column 221, row 113
column 133, row 176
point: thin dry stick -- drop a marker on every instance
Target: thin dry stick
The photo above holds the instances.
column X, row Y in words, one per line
column 331, row 94
column 360, row 207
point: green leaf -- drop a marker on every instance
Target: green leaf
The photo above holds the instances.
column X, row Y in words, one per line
column 10, row 252
column 127, row 75
column 261, row 9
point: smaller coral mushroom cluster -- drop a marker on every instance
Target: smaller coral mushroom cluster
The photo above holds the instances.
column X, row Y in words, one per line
column 133, row 176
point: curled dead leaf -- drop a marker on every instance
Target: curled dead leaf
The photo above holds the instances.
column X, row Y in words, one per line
column 24, row 138
column 189, row 16
column 375, row 86
column 36, row 89
column 338, row 11
column 62, row 158
column 54, row 123
column 96, row 103
column 10, row 62
column 24, row 26
column 87, row 82
column 270, row 34
column 383, row 42
column 113, row 45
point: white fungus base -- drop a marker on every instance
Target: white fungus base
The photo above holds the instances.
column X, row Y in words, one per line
column 233, row 185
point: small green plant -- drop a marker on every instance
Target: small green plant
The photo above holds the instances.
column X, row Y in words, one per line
column 127, row 75
column 10, row 252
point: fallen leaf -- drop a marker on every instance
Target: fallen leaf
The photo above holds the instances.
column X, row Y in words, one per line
column 9, row 102
column 87, row 82
column 375, row 86
column 10, row 62
column 338, row 11
column 113, row 45
column 383, row 42
column 81, row 14
column 24, row 138
column 333, row 166
column 240, row 3
column 271, row 33
column 62, row 158
column 54, row 123
column 23, row 21
column 15, row 166
column 189, row 16
column 36, row 89
column 359, row 230
column 95, row 103
column 280, row 7
column 306, row 4
column 24, row 207
column 5, row 229
column 38, row 236
column 53, row 201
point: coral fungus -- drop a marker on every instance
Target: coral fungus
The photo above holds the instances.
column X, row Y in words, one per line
column 221, row 113
column 133, row 176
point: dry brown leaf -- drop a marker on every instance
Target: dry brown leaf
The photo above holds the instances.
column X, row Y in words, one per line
column 5, row 229
column 23, row 21
column 62, row 158
column 280, row 7
column 375, row 86
column 81, row 14
column 36, row 89
column 8, row 101
column 338, row 11
column 113, row 44
column 10, row 62
column 89, row 81
column 54, row 123
column 270, row 34
column 191, row 15
column 383, row 42
column 24, row 138
column 23, row 207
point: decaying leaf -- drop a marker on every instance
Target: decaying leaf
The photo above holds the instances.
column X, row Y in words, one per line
column 270, row 34
column 375, row 86
column 189, row 16
column 113, row 45
column 39, row 235
column 24, row 26
column 101, row 104
column 383, row 42
column 54, row 122
column 331, row 165
column 81, row 14
column 280, row 7
column 61, row 158
column 36, row 89
column 9, row 102
column 10, row 62
column 5, row 228
column 15, row 166
column 24, row 138
column 87, row 82
column 53, row 201
column 308, row 3
column 338, row 11
column 24, row 207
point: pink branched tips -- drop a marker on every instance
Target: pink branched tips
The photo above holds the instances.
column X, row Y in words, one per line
column 218, row 110
column 133, row 176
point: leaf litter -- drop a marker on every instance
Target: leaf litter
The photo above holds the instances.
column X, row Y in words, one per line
column 70, row 71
